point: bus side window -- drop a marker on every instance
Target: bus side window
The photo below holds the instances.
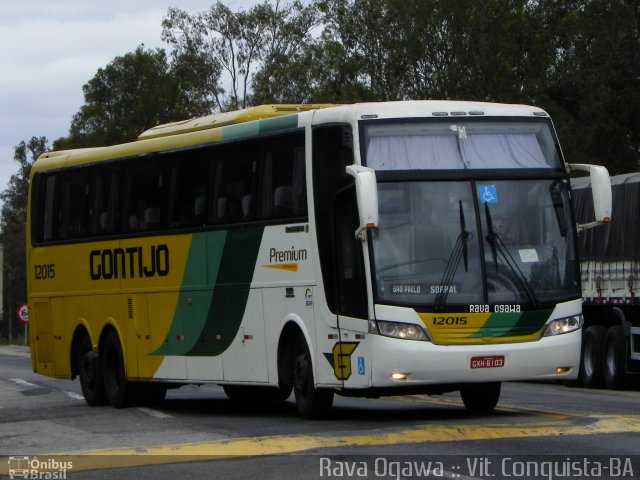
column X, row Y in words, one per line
column 188, row 204
column 104, row 202
column 234, row 186
column 299, row 183
column 43, row 208
column 74, row 205
column 147, row 193
column 283, row 181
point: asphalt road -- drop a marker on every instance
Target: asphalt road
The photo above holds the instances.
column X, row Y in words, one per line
column 197, row 432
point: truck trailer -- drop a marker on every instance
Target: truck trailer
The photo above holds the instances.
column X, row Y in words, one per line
column 610, row 277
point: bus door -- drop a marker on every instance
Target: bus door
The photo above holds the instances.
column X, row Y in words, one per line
column 341, row 261
column 351, row 358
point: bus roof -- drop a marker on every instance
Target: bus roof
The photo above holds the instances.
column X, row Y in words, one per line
column 227, row 118
column 269, row 118
column 185, row 134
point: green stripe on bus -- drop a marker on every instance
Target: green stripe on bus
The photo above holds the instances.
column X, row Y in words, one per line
column 513, row 324
column 190, row 316
column 240, row 130
column 251, row 129
column 209, row 318
column 230, row 293
column 278, row 123
column 530, row 322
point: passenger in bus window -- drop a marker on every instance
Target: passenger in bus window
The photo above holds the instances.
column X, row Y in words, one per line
column 507, row 233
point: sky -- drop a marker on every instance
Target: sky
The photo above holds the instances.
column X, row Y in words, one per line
column 50, row 48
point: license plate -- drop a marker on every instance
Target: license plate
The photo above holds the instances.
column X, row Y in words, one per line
column 490, row 361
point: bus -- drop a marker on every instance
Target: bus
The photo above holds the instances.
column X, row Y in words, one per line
column 415, row 247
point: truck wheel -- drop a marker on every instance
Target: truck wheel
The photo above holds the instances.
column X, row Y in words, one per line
column 311, row 402
column 615, row 376
column 591, row 368
column 481, row 397
column 120, row 392
column 90, row 374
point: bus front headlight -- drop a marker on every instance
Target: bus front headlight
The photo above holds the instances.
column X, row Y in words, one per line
column 563, row 325
column 406, row 331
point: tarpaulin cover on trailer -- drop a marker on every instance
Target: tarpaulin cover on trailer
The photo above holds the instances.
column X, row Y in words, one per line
column 620, row 239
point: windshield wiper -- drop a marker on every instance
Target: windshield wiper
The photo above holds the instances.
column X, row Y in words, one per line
column 460, row 250
column 498, row 246
column 464, row 237
column 491, row 236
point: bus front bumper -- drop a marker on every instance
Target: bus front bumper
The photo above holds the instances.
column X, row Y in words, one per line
column 405, row 363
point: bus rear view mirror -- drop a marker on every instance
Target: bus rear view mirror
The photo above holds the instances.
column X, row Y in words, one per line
column 601, row 192
column 366, row 196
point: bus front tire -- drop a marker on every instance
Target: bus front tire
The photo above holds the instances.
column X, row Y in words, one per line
column 119, row 391
column 90, row 375
column 311, row 402
column 591, row 366
column 481, row 397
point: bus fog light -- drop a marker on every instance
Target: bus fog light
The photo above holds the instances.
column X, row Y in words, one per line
column 398, row 377
column 563, row 325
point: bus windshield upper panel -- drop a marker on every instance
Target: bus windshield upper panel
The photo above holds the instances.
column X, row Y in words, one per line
column 457, row 144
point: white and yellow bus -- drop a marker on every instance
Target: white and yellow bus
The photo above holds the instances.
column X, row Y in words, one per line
column 363, row 250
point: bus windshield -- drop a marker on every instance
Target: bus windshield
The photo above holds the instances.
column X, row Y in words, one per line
column 454, row 243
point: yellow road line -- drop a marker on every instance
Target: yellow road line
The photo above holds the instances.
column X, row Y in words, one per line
column 274, row 445
column 503, row 408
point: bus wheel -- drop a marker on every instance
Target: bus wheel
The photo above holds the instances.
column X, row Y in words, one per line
column 119, row 391
column 311, row 402
column 90, row 375
column 481, row 397
column 615, row 376
column 591, row 369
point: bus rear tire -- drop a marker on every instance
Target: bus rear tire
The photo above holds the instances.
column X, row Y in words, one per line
column 90, row 374
column 591, row 366
column 481, row 397
column 614, row 370
column 311, row 402
column 120, row 392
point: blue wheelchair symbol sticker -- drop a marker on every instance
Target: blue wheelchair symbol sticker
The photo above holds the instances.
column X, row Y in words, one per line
column 361, row 369
column 488, row 193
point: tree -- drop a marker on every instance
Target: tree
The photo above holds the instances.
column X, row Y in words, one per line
column 420, row 49
column 593, row 84
column 562, row 55
column 240, row 43
column 134, row 92
column 412, row 49
column 13, row 219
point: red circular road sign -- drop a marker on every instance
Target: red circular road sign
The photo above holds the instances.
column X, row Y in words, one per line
column 23, row 313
